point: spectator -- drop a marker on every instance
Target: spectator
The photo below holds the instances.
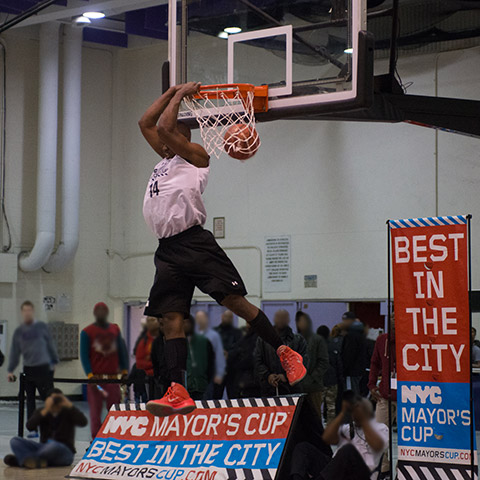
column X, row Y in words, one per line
column 230, row 335
column 360, row 446
column 200, row 361
column 240, row 367
column 369, row 348
column 384, row 366
column 475, row 349
column 137, row 377
column 268, row 369
column 475, row 341
column 142, row 372
column 32, row 341
column 215, row 389
column 104, row 356
column 348, row 319
column 57, row 421
column 337, row 335
column 317, row 363
column 354, row 352
column 333, row 378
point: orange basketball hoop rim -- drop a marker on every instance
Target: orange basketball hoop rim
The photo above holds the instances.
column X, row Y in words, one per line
column 218, row 107
column 230, row 90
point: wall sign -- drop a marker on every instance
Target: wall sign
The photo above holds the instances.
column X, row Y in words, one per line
column 219, row 227
column 277, row 275
column 49, row 303
column 310, row 281
column 64, row 303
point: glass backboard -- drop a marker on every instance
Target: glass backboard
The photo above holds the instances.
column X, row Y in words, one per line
column 308, row 53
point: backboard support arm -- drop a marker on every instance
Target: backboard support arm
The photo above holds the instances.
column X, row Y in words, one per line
column 172, row 40
column 184, row 51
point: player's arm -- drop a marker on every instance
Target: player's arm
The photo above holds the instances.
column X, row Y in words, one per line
column 170, row 135
column 148, row 123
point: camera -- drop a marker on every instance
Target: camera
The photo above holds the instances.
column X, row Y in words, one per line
column 352, row 399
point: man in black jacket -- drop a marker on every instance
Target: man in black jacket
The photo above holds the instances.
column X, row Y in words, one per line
column 268, row 369
column 230, row 335
column 57, row 421
column 333, row 378
column 240, row 367
column 200, row 361
column 354, row 352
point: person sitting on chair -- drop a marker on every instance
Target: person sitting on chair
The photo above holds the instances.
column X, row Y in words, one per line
column 361, row 443
column 57, row 421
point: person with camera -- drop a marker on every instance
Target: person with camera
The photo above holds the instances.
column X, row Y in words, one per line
column 361, row 442
column 57, row 421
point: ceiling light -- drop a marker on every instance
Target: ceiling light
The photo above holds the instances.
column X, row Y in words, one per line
column 232, row 30
column 222, row 35
column 94, row 15
column 348, row 50
column 81, row 21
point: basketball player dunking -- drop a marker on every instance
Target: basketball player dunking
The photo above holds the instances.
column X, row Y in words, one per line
column 188, row 256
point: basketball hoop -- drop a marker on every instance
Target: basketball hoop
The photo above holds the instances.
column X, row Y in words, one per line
column 218, row 107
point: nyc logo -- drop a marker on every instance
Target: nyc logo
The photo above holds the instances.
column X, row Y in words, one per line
column 417, row 393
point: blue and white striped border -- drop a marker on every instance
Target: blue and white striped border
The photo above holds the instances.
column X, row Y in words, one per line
column 283, row 401
column 429, row 221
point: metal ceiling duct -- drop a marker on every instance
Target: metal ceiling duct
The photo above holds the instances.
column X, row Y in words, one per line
column 72, row 104
column 47, row 150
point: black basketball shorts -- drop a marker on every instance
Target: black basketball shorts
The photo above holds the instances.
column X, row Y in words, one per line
column 191, row 259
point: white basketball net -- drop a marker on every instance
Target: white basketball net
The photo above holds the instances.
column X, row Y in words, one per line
column 216, row 114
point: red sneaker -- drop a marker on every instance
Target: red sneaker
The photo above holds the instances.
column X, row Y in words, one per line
column 176, row 400
column 292, row 363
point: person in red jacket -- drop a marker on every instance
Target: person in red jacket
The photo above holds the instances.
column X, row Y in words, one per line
column 143, row 367
column 143, row 348
column 104, row 356
column 383, row 365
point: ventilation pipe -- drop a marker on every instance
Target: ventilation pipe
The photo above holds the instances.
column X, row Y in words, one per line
column 72, row 83
column 47, row 150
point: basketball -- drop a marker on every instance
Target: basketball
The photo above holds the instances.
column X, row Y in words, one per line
column 241, row 141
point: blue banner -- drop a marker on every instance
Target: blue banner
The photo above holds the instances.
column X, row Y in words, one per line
column 194, row 454
column 434, row 415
